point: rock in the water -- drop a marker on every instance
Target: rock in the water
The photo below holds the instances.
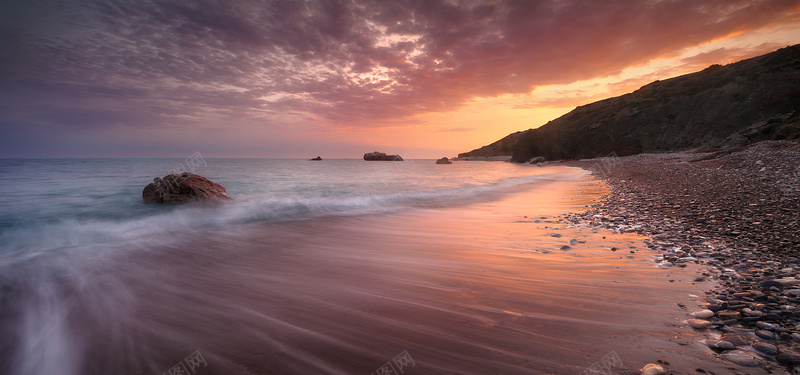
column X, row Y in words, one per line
column 740, row 358
column 380, row 156
column 184, row 187
column 653, row 369
column 317, row 158
column 702, row 314
column 444, row 161
column 698, row 323
column 719, row 344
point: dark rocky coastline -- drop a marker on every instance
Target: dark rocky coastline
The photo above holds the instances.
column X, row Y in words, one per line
column 717, row 108
column 734, row 213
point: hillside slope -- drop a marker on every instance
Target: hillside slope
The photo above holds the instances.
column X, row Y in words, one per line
column 503, row 147
column 719, row 107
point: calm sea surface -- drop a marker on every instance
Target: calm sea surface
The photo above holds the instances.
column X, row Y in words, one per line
column 50, row 204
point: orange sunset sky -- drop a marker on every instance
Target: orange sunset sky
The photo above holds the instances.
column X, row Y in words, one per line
column 424, row 79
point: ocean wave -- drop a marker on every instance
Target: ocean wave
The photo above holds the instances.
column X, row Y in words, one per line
column 33, row 238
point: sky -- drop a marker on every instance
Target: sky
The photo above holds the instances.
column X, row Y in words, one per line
column 423, row 79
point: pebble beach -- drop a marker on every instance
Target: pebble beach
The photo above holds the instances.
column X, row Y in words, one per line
column 735, row 215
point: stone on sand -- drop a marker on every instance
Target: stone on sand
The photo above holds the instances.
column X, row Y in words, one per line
column 728, row 315
column 719, row 344
column 702, row 314
column 764, row 334
column 740, row 357
column 654, row 369
column 765, row 348
column 698, row 323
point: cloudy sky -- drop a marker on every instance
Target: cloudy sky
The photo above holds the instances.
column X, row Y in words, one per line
column 228, row 78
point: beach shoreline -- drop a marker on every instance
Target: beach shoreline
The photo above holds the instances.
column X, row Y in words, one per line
column 501, row 285
column 507, row 282
column 734, row 214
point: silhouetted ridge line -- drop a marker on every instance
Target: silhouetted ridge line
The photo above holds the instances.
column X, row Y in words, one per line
column 717, row 108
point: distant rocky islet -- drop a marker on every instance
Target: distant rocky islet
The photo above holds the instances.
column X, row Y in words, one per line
column 380, row 156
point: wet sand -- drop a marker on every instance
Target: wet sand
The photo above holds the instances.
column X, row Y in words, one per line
column 480, row 289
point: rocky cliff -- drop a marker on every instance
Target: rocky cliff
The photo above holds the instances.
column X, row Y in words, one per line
column 719, row 107
column 503, row 147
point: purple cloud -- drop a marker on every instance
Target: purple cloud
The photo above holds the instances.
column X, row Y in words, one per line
column 356, row 63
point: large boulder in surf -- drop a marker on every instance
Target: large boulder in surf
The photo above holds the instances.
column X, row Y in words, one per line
column 379, row 156
column 184, row 187
column 444, row 160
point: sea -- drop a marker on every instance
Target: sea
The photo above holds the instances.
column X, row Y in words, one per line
column 339, row 266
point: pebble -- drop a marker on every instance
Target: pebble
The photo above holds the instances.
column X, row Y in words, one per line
column 555, row 235
column 719, row 344
column 702, row 314
column 766, row 348
column 728, row 315
column 735, row 339
column 788, row 358
column 767, row 335
column 772, row 316
column 755, row 314
column 767, row 326
column 698, row 323
column 566, row 247
column 653, row 369
column 771, row 283
column 740, row 358
column 787, row 281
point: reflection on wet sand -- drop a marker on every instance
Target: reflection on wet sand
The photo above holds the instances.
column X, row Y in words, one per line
column 478, row 289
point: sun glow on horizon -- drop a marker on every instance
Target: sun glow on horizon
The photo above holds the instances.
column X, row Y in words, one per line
column 336, row 78
column 485, row 120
